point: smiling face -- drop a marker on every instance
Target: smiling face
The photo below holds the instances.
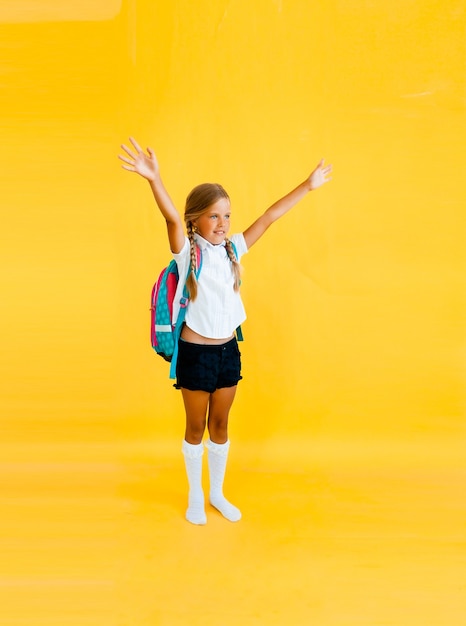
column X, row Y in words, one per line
column 213, row 225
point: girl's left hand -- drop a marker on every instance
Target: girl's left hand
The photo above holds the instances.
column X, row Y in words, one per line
column 320, row 175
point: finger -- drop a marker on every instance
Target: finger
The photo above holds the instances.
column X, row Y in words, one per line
column 123, row 158
column 150, row 152
column 136, row 145
column 129, row 168
column 128, row 151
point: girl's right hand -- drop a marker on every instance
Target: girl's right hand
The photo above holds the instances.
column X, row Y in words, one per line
column 146, row 165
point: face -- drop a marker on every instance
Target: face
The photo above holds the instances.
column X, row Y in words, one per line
column 214, row 224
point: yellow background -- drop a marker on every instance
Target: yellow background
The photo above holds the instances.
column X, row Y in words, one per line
column 355, row 339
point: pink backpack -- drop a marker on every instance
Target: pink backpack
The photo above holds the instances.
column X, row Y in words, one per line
column 163, row 333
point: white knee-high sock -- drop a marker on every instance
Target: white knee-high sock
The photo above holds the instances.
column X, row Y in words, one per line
column 217, row 457
column 193, row 461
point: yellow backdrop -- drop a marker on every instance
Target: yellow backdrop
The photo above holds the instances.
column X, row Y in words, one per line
column 355, row 300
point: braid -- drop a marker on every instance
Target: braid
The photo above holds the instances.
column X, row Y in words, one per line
column 191, row 283
column 236, row 267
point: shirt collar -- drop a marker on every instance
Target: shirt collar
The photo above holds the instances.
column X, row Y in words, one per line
column 204, row 244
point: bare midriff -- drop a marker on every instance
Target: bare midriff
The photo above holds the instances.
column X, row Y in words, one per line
column 191, row 336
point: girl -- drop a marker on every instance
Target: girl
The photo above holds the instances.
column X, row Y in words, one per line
column 208, row 367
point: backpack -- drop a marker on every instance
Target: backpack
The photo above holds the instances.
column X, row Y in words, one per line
column 165, row 334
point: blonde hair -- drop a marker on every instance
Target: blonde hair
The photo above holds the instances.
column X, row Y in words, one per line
column 197, row 203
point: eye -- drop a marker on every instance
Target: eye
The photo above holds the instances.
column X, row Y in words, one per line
column 227, row 216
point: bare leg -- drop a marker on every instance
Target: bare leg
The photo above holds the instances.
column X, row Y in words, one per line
column 219, row 409
column 195, row 404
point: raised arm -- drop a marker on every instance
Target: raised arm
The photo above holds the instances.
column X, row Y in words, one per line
column 318, row 177
column 146, row 165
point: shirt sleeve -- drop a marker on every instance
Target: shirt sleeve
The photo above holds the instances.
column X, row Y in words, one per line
column 240, row 243
column 181, row 257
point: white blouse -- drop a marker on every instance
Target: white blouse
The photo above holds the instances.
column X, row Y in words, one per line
column 218, row 309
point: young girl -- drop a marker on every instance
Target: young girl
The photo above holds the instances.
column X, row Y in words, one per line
column 208, row 367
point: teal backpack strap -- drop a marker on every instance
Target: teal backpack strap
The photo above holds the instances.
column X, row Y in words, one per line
column 239, row 332
column 182, row 313
column 178, row 326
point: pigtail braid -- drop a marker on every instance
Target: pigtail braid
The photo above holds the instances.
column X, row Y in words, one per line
column 235, row 266
column 191, row 283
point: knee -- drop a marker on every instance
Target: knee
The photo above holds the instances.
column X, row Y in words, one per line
column 218, row 420
column 218, row 428
column 195, row 432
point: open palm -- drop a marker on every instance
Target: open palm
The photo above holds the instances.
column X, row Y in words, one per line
column 320, row 175
column 138, row 161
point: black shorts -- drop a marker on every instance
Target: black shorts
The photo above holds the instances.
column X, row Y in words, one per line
column 207, row 367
